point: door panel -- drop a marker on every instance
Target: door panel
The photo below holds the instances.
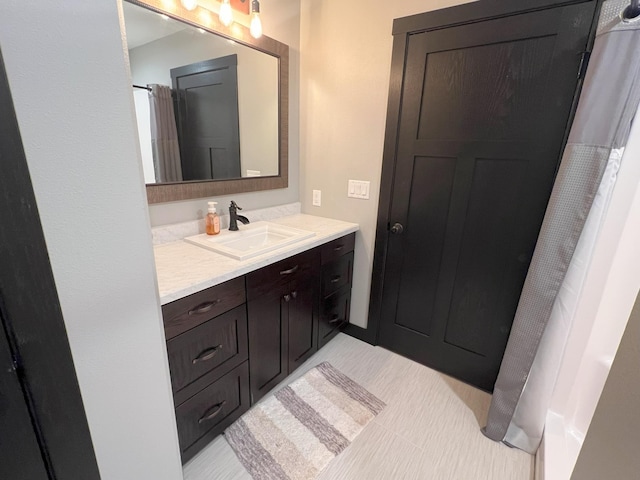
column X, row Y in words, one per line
column 494, row 202
column 456, row 106
column 303, row 321
column 268, row 342
column 428, row 211
column 483, row 114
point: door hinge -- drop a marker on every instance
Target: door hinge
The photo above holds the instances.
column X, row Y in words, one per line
column 584, row 63
column 16, row 365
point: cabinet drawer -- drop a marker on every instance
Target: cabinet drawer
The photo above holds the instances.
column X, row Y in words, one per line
column 277, row 276
column 191, row 311
column 337, row 274
column 208, row 413
column 337, row 248
column 334, row 315
column 208, row 350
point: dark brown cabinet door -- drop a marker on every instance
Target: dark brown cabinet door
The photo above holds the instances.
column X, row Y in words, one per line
column 283, row 306
column 484, row 111
column 303, row 321
column 268, row 341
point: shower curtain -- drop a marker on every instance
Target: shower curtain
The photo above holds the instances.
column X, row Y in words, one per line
column 580, row 196
column 164, row 135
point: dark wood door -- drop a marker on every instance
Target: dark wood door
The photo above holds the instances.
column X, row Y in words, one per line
column 483, row 113
column 20, row 455
column 43, row 427
column 207, row 118
column 268, row 341
column 303, row 321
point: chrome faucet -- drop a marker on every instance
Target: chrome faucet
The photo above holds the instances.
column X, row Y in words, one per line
column 234, row 218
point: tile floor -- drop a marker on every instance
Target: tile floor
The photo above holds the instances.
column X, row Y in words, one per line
column 430, row 428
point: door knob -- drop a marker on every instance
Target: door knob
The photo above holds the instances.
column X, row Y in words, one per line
column 397, row 229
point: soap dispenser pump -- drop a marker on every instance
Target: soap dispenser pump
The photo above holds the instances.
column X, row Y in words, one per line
column 213, row 220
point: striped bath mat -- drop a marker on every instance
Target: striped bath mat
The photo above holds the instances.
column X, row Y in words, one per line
column 295, row 433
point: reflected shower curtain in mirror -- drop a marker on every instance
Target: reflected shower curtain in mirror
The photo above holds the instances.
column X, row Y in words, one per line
column 164, row 135
column 583, row 186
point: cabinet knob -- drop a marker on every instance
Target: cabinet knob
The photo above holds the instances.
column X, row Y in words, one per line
column 294, row 294
column 397, row 228
column 287, row 297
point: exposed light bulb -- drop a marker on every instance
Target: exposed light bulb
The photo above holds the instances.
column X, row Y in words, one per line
column 189, row 4
column 226, row 14
column 256, row 23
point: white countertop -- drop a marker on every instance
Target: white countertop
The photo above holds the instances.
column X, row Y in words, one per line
column 184, row 269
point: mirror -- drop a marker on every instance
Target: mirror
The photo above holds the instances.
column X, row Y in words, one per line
column 211, row 103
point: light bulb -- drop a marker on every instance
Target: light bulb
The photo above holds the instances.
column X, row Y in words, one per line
column 189, row 4
column 256, row 25
column 225, row 14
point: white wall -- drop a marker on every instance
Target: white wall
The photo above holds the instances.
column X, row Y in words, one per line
column 257, row 91
column 611, row 286
column 345, row 68
column 72, row 95
column 280, row 20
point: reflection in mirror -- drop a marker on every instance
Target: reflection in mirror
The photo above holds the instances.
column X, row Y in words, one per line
column 206, row 106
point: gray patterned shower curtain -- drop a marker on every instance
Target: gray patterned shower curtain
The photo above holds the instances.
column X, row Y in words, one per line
column 608, row 103
column 164, row 135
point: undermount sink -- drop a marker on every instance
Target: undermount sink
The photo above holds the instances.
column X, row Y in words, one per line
column 251, row 240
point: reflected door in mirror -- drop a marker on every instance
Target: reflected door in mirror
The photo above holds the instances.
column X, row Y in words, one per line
column 207, row 118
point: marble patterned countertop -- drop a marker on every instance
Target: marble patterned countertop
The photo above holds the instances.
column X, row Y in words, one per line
column 183, row 269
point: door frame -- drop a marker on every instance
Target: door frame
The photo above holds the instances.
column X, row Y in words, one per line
column 31, row 316
column 469, row 13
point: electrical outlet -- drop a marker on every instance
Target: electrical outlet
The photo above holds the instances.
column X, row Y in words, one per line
column 317, row 198
column 358, row 189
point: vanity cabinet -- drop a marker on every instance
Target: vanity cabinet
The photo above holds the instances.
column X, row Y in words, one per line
column 337, row 271
column 207, row 349
column 230, row 344
column 283, row 318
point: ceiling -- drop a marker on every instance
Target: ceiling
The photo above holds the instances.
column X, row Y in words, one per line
column 144, row 26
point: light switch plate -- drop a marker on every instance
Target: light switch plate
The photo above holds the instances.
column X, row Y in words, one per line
column 317, row 198
column 358, row 189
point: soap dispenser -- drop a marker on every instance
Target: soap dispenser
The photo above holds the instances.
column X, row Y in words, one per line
column 212, row 220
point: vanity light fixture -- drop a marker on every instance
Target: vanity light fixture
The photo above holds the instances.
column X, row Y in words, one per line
column 256, row 23
column 226, row 14
column 189, row 4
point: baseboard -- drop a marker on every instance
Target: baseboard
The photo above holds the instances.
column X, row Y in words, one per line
column 364, row 334
column 539, row 462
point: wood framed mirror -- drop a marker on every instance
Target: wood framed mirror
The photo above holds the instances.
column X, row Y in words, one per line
column 261, row 166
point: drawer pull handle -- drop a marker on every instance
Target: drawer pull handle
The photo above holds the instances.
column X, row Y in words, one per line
column 287, row 297
column 335, row 319
column 290, row 271
column 294, row 294
column 212, row 412
column 207, row 354
column 336, row 278
column 204, row 307
column 338, row 248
